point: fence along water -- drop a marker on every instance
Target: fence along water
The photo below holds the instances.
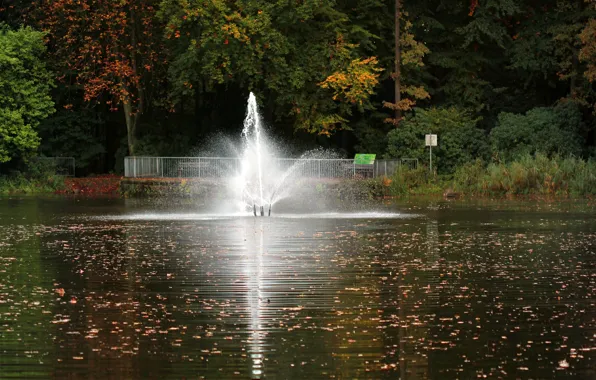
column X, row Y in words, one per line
column 224, row 167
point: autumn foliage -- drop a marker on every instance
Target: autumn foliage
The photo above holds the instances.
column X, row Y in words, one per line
column 356, row 83
column 110, row 48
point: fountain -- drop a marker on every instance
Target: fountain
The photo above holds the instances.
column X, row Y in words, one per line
column 259, row 180
column 262, row 179
column 254, row 176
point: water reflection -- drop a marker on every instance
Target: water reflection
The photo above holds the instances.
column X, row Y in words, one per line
column 457, row 293
column 255, row 249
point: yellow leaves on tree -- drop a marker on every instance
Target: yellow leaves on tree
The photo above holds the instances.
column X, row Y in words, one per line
column 412, row 51
column 356, row 83
column 411, row 58
column 326, row 125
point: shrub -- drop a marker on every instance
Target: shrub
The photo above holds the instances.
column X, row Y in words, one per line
column 555, row 130
column 459, row 140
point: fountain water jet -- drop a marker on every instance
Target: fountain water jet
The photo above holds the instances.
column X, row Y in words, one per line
column 253, row 159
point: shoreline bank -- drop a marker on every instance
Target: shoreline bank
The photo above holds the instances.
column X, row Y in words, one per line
column 343, row 189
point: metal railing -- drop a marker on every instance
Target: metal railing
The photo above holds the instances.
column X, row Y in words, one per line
column 222, row 167
column 60, row 165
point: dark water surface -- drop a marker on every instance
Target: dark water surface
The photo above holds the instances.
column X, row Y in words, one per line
column 119, row 289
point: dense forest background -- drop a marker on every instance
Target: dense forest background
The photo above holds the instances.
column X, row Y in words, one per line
column 101, row 79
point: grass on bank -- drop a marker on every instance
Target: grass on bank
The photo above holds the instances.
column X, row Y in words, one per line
column 21, row 184
column 530, row 175
column 34, row 177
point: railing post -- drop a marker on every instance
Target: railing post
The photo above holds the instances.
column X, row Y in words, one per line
column 134, row 167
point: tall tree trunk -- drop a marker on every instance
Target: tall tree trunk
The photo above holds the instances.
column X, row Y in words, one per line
column 131, row 116
column 397, row 64
column 131, row 125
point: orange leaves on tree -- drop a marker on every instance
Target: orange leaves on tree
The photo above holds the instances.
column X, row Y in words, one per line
column 356, row 83
column 107, row 46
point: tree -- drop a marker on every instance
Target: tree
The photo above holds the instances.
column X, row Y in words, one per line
column 588, row 50
column 468, row 41
column 572, row 19
column 397, row 73
column 12, row 12
column 410, row 53
column 25, row 85
column 587, row 53
column 112, row 49
column 291, row 53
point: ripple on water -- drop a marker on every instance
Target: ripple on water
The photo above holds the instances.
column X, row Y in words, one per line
column 363, row 295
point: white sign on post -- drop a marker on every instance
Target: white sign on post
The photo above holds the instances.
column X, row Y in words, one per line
column 431, row 140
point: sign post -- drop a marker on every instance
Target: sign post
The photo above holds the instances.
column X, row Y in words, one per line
column 431, row 140
column 365, row 159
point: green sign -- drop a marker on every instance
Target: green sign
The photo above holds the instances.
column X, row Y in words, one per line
column 364, row 159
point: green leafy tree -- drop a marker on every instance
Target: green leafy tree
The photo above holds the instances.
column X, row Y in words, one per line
column 299, row 57
column 25, row 85
column 468, row 41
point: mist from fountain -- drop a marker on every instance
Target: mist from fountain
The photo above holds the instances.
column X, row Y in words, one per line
column 260, row 173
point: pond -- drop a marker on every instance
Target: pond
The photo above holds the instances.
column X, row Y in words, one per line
column 114, row 288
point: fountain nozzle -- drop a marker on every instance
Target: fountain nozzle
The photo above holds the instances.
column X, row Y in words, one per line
column 262, row 211
column 269, row 209
column 254, row 209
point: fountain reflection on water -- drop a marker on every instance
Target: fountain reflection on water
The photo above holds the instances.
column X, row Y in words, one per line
column 255, row 296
